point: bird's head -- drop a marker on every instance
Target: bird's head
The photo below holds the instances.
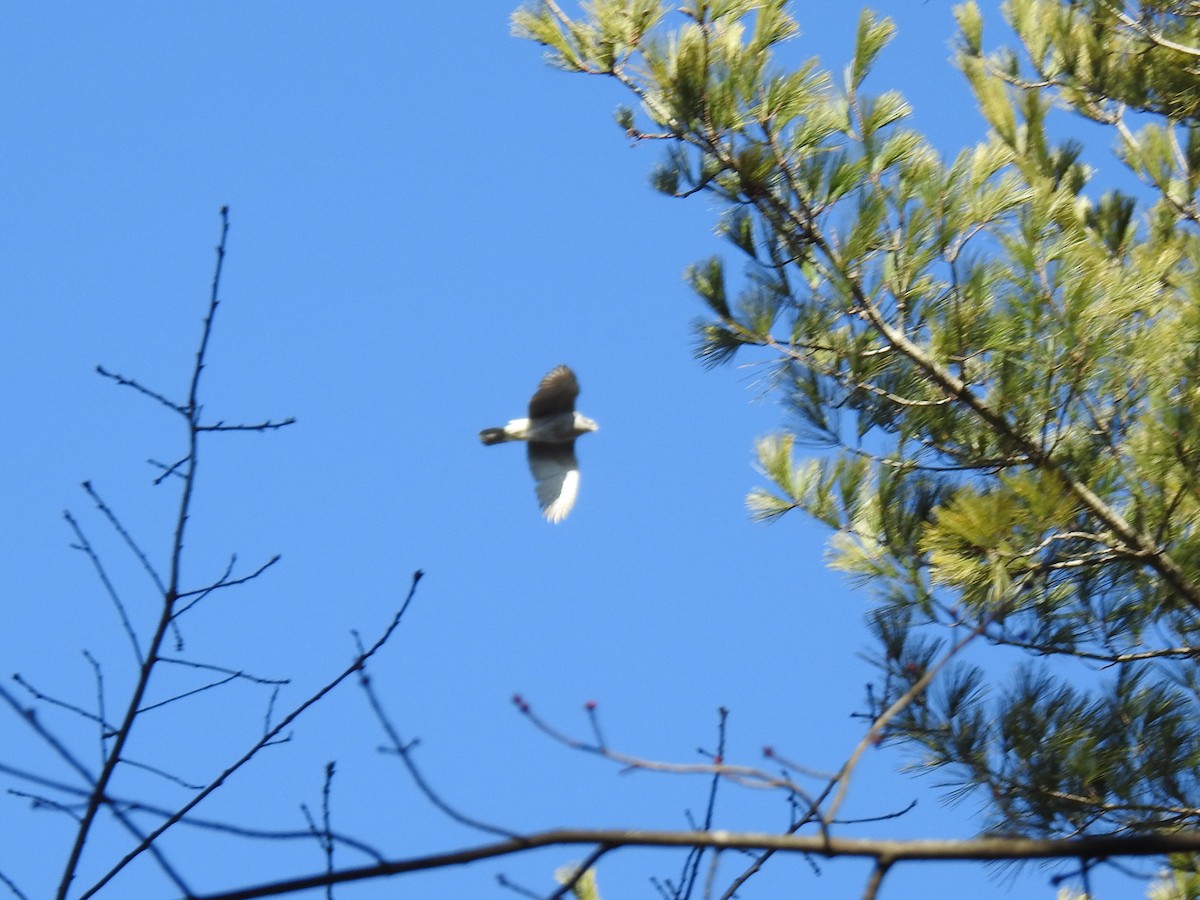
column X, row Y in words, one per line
column 583, row 423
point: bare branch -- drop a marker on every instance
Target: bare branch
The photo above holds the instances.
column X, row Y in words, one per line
column 61, row 704
column 133, row 383
column 170, row 591
column 237, row 673
column 269, row 425
column 12, row 886
column 267, row 738
column 989, row 849
column 85, row 547
column 746, row 776
column 224, row 582
column 403, row 749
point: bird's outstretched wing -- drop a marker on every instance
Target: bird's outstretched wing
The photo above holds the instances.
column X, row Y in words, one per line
column 556, row 394
column 556, row 472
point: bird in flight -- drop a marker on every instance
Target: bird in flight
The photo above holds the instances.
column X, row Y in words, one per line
column 550, row 431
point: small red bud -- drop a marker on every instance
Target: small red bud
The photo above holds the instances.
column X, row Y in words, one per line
column 590, row 706
column 768, row 751
column 520, row 703
column 718, row 760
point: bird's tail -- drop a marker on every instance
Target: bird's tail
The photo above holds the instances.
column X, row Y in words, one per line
column 493, row 436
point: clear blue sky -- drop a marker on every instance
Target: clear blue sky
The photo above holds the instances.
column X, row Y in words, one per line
column 426, row 219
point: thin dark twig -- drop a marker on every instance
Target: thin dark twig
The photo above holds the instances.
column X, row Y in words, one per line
column 154, row 770
column 269, row 425
column 134, row 806
column 692, row 864
column 40, row 801
column 504, row 882
column 141, row 389
column 176, row 697
column 61, row 704
column 30, row 718
column 271, row 708
column 156, row 851
column 580, row 872
column 225, row 581
column 326, row 791
column 43, row 802
column 125, row 536
column 12, row 886
column 237, row 673
column 403, row 750
column 167, row 471
column 746, row 776
column 323, row 833
column 268, row 738
column 882, row 817
column 85, row 546
column 98, row 673
column 594, row 719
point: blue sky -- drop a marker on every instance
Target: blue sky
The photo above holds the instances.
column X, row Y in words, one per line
column 425, row 220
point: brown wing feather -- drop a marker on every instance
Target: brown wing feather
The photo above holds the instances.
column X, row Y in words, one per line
column 556, row 394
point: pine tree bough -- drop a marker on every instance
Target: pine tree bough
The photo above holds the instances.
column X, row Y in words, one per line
column 998, row 356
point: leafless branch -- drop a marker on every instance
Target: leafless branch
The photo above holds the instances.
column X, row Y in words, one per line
column 988, row 849
column 12, row 886
column 120, row 529
column 269, row 425
column 224, row 582
column 404, row 750
column 61, row 704
column 747, row 776
column 141, row 389
column 85, row 547
column 269, row 737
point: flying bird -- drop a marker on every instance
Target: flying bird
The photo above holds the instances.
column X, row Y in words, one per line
column 550, row 431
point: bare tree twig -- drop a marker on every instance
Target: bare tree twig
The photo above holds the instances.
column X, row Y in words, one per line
column 237, row 673
column 269, row 425
column 691, row 866
column 29, row 716
column 125, row 536
column 580, row 872
column 746, row 776
column 85, row 547
column 358, row 662
column 404, row 749
column 12, row 886
column 137, row 386
column 101, row 717
column 61, row 704
column 224, row 582
column 135, row 806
